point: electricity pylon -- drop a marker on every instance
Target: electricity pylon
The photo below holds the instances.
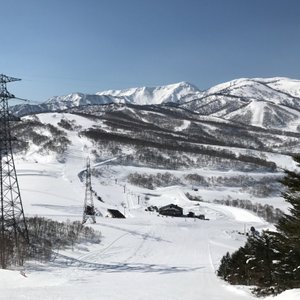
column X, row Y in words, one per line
column 88, row 208
column 14, row 233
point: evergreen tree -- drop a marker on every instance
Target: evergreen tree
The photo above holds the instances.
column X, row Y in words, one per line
column 288, row 235
column 271, row 260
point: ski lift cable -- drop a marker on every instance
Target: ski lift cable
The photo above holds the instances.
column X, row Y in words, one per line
column 104, row 162
column 80, row 174
column 27, row 100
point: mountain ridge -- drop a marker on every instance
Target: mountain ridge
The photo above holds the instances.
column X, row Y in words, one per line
column 174, row 93
column 265, row 102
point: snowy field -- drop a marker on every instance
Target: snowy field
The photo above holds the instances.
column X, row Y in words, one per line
column 144, row 256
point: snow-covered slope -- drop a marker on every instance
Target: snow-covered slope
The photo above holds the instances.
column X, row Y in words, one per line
column 76, row 99
column 289, row 86
column 145, row 256
column 58, row 103
column 275, row 90
column 174, row 93
column 159, row 154
column 264, row 102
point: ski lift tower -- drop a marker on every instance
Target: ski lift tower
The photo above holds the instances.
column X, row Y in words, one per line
column 88, row 208
column 13, row 228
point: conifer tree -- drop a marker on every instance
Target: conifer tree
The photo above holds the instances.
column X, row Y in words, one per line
column 288, row 235
column 271, row 260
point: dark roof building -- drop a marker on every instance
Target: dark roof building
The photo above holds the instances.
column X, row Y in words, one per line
column 114, row 213
column 171, row 210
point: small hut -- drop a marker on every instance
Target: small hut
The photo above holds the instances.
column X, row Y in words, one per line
column 171, row 210
column 114, row 213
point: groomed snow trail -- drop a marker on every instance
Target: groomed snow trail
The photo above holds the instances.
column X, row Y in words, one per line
column 147, row 257
column 142, row 257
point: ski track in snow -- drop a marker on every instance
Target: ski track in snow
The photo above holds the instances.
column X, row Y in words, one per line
column 142, row 259
column 144, row 256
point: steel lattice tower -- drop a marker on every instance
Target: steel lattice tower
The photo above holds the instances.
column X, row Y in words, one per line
column 14, row 234
column 88, row 208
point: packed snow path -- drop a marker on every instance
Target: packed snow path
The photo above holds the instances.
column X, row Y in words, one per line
column 147, row 257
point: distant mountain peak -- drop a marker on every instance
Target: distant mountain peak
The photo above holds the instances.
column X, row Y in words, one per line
column 261, row 102
column 154, row 95
column 264, row 102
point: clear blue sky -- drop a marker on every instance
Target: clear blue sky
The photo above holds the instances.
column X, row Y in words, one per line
column 63, row 46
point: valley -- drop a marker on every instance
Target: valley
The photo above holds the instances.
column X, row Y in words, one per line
column 202, row 151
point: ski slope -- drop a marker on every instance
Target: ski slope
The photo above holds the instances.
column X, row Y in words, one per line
column 145, row 256
column 142, row 257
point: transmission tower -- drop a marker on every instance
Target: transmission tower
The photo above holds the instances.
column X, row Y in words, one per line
column 14, row 234
column 88, row 208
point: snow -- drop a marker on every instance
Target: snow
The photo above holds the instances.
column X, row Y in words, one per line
column 273, row 102
column 75, row 99
column 141, row 257
column 185, row 125
column 154, row 95
column 287, row 295
column 253, row 101
column 274, row 89
column 290, row 86
column 258, row 113
column 145, row 256
column 256, row 110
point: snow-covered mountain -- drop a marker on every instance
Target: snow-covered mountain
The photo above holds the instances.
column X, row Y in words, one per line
column 262, row 102
column 58, row 103
column 147, row 156
column 173, row 93
column 200, row 152
column 77, row 99
column 144, row 249
column 268, row 103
